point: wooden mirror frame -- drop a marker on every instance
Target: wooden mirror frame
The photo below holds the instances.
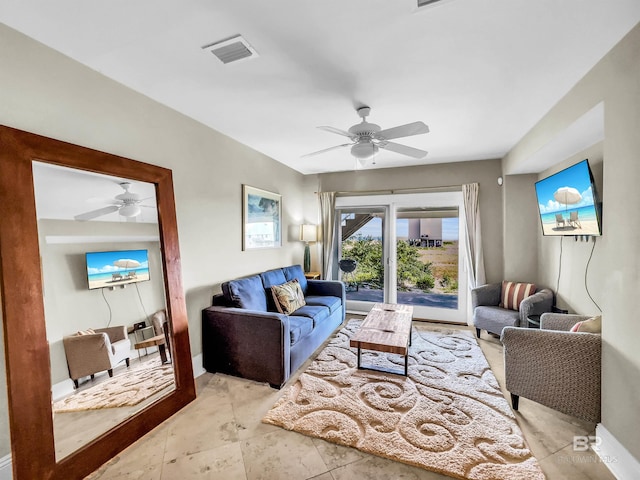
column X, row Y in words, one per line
column 23, row 316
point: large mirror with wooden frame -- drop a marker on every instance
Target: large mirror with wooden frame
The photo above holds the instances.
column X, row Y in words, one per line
column 29, row 353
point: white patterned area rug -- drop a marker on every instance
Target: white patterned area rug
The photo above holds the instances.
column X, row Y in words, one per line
column 126, row 389
column 448, row 416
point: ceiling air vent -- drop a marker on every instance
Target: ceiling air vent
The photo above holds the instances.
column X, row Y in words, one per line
column 232, row 49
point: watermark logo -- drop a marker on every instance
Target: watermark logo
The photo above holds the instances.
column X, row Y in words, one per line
column 582, row 443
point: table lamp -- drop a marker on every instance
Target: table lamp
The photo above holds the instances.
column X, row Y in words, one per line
column 308, row 233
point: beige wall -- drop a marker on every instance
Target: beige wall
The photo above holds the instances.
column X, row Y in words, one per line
column 521, row 229
column 43, row 92
column 613, row 273
column 485, row 173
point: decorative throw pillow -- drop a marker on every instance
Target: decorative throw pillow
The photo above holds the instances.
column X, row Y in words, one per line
column 591, row 325
column 513, row 293
column 288, row 297
column 88, row 331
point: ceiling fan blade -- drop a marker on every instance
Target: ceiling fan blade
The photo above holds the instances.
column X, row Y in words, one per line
column 403, row 149
column 338, row 131
column 415, row 128
column 97, row 213
column 326, row 150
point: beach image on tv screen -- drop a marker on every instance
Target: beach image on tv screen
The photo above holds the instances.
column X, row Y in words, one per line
column 566, row 202
column 107, row 269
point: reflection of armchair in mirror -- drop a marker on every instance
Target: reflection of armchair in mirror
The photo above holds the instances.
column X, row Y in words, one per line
column 95, row 351
column 26, row 246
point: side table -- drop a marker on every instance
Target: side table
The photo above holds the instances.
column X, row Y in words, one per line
column 533, row 321
column 312, row 275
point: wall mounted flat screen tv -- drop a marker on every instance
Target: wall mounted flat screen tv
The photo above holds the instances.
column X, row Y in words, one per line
column 115, row 268
column 568, row 202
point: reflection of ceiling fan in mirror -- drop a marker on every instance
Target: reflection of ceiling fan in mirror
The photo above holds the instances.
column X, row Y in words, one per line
column 367, row 138
column 127, row 204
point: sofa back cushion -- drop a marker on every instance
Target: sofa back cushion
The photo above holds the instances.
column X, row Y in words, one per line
column 246, row 293
column 272, row 277
column 513, row 293
column 295, row 272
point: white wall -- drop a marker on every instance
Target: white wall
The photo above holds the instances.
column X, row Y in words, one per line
column 43, row 92
column 613, row 276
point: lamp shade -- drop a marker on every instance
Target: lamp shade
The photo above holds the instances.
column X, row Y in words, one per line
column 308, row 233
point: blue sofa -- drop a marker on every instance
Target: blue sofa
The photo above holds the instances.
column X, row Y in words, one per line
column 244, row 335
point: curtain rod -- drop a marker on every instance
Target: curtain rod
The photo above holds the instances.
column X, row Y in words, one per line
column 399, row 190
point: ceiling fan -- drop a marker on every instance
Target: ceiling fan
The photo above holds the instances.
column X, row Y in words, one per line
column 126, row 204
column 367, row 138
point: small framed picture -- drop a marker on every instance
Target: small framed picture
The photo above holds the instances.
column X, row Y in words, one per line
column 262, row 218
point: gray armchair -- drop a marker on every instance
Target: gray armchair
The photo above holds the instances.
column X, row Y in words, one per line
column 489, row 316
column 553, row 366
column 89, row 354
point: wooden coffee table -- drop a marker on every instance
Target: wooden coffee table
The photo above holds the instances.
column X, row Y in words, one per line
column 387, row 328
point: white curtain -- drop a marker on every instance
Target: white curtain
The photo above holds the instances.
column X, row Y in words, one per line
column 327, row 202
column 475, row 258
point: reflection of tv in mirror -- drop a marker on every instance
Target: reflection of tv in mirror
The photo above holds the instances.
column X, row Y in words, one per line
column 115, row 268
column 568, row 202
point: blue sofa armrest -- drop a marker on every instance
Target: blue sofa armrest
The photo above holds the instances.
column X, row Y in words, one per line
column 331, row 288
column 326, row 287
column 246, row 343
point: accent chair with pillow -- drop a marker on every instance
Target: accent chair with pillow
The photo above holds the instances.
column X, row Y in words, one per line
column 557, row 365
column 507, row 304
column 96, row 350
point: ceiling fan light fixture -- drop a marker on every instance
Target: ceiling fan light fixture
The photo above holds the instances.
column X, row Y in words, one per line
column 364, row 150
column 130, row 211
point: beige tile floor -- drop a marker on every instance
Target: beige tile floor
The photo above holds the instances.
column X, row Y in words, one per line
column 220, row 436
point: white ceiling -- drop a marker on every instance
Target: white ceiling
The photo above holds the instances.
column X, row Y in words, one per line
column 62, row 193
column 480, row 73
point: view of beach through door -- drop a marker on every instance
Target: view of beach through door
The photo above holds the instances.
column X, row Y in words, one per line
column 427, row 254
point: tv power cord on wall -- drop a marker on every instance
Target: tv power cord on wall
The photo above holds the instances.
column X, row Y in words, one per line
column 586, row 269
column 108, row 306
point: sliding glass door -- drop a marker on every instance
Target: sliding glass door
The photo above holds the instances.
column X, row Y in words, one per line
column 361, row 258
column 404, row 249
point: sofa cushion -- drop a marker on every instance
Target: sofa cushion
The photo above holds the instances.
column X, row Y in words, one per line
column 513, row 293
column 299, row 327
column 295, row 272
column 269, row 279
column 288, row 297
column 332, row 303
column 273, row 277
column 315, row 312
column 246, row 293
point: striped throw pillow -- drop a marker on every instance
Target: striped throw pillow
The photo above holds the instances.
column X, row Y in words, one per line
column 513, row 293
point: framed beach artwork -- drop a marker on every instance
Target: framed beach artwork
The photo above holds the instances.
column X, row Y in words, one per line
column 262, row 218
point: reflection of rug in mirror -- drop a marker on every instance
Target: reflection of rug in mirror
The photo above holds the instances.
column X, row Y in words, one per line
column 447, row 416
column 125, row 389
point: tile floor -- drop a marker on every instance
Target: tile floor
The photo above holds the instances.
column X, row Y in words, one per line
column 220, row 436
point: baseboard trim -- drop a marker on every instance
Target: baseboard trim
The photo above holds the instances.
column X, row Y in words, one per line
column 6, row 468
column 615, row 456
column 198, row 369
